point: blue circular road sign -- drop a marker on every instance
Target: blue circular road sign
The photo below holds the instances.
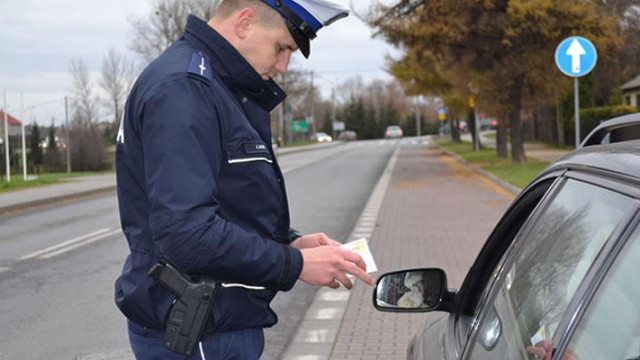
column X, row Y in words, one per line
column 576, row 56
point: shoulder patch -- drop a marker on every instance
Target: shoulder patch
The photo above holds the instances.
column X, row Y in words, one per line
column 200, row 66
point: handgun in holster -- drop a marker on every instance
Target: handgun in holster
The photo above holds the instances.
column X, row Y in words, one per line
column 190, row 310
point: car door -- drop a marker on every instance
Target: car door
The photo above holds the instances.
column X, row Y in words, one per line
column 525, row 302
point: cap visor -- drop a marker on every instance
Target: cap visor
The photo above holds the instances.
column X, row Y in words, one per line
column 301, row 40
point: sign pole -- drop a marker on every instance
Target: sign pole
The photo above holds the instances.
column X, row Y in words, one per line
column 6, row 138
column 576, row 100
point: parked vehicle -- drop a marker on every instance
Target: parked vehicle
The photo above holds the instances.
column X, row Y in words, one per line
column 488, row 124
column 557, row 277
column 321, row 137
column 348, row 135
column 393, row 132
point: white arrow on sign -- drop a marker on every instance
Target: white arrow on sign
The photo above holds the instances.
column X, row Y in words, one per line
column 575, row 50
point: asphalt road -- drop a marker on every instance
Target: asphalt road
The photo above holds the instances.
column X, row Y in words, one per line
column 58, row 264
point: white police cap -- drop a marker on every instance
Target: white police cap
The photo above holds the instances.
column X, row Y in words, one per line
column 305, row 17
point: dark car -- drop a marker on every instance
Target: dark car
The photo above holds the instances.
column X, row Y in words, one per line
column 348, row 135
column 558, row 276
column 488, row 124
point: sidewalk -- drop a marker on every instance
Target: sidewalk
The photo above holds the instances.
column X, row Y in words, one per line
column 433, row 212
column 76, row 187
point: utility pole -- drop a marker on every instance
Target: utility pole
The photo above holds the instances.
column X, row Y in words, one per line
column 6, row 138
column 66, row 125
column 333, row 111
column 418, row 122
column 24, row 147
column 312, row 116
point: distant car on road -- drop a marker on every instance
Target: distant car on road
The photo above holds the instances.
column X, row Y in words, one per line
column 557, row 278
column 393, row 132
column 488, row 124
column 348, row 135
column 321, row 137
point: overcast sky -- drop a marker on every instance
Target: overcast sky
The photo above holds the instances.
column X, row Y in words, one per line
column 39, row 38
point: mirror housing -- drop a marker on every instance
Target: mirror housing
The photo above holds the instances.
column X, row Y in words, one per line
column 414, row 290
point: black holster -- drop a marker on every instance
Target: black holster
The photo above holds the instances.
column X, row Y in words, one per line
column 189, row 311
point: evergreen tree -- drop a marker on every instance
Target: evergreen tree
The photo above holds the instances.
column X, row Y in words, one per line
column 52, row 159
column 35, row 151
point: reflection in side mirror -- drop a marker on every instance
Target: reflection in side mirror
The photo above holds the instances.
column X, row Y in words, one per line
column 410, row 290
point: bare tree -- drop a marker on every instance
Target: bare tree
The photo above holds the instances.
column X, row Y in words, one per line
column 153, row 34
column 88, row 150
column 117, row 78
column 85, row 103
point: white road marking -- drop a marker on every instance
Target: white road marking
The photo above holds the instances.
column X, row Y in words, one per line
column 335, row 295
column 78, row 244
column 2, row 269
column 327, row 314
column 63, row 244
column 70, row 244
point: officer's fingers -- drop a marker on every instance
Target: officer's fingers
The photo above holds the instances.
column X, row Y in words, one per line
column 323, row 239
column 344, row 280
column 355, row 258
column 359, row 273
column 331, row 242
column 334, row 284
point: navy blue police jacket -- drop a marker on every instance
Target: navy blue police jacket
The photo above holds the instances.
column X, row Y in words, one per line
column 199, row 186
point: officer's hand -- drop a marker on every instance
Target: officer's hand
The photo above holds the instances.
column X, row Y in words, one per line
column 328, row 265
column 313, row 240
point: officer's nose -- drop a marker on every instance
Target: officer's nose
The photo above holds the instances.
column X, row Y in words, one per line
column 283, row 63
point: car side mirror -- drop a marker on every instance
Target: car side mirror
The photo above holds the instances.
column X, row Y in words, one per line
column 415, row 290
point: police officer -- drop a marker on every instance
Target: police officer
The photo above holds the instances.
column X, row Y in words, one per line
column 199, row 186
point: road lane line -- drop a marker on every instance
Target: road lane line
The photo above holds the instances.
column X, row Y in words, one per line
column 2, row 269
column 63, row 244
column 78, row 244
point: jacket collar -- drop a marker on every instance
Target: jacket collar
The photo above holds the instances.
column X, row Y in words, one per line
column 232, row 67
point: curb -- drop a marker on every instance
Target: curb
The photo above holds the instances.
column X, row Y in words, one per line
column 505, row 185
column 55, row 199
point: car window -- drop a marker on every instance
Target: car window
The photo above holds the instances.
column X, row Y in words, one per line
column 554, row 254
column 610, row 328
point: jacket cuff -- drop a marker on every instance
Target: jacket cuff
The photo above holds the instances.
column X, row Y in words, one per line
column 292, row 268
column 293, row 235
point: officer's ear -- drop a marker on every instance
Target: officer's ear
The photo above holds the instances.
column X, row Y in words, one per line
column 246, row 19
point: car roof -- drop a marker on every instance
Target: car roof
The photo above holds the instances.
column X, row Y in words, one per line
column 621, row 158
column 606, row 127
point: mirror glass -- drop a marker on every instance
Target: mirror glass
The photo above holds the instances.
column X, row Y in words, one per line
column 418, row 289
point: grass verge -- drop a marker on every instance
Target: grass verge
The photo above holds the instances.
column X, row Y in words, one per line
column 515, row 174
column 17, row 182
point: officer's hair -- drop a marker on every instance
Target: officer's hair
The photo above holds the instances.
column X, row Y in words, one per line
column 269, row 18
